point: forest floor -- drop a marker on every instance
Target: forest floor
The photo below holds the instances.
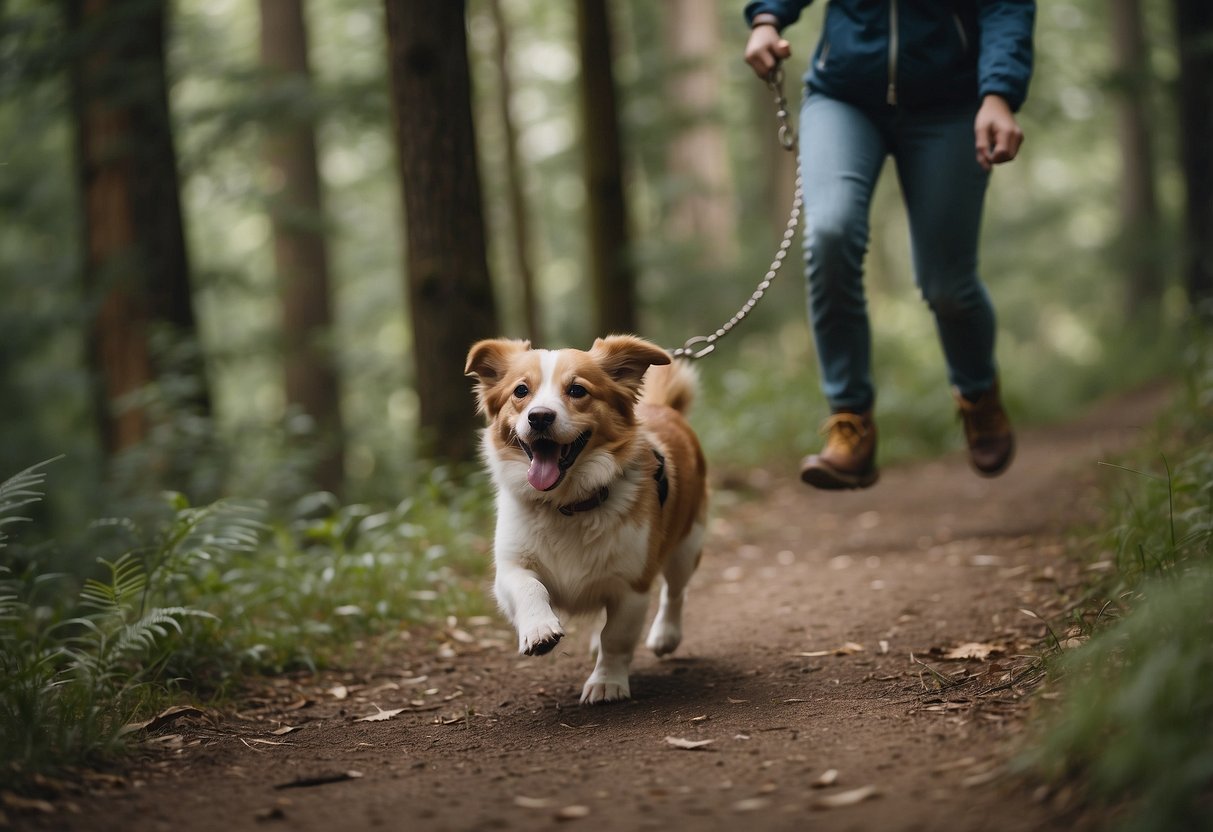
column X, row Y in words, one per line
column 820, row 683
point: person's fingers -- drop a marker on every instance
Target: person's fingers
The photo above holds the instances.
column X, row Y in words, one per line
column 765, row 49
column 983, row 131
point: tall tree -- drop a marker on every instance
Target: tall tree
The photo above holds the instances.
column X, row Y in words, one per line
column 698, row 155
column 135, row 264
column 520, row 236
column 1194, row 27
column 1138, row 193
column 449, row 292
column 612, row 274
column 300, row 249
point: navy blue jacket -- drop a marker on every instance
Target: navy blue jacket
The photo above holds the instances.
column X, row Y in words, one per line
column 917, row 53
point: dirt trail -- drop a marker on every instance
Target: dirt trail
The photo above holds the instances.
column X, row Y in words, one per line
column 797, row 661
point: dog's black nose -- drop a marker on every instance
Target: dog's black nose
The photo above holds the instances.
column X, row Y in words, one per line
column 541, row 418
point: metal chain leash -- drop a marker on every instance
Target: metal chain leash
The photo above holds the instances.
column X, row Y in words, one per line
column 702, row 345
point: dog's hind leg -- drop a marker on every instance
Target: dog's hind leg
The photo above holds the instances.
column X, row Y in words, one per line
column 666, row 633
column 616, row 643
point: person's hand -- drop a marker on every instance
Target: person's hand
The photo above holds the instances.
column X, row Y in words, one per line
column 765, row 49
column 998, row 134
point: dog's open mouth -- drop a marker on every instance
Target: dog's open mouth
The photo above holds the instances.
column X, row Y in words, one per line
column 550, row 461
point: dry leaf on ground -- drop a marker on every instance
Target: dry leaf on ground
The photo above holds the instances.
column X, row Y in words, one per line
column 827, row 778
column 689, row 745
column 382, row 715
column 848, row 798
column 161, row 719
column 973, row 650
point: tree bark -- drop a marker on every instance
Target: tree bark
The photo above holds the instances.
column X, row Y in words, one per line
column 612, row 274
column 1138, row 192
column 1194, row 27
column 300, row 249
column 135, row 265
column 520, row 236
column 698, row 157
column 449, row 292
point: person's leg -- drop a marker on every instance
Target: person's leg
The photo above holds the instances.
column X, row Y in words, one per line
column 841, row 153
column 944, row 189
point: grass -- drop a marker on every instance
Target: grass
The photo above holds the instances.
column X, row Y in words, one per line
column 1134, row 730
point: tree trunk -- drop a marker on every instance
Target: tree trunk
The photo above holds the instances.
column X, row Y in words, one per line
column 515, row 190
column 1194, row 25
column 449, row 292
column 300, row 250
column 612, row 274
column 1138, row 193
column 698, row 157
column 135, row 264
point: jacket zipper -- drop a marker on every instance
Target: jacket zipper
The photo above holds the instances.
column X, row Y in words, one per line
column 960, row 30
column 891, row 95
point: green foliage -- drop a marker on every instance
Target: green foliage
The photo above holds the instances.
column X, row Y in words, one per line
column 209, row 595
column 1136, row 725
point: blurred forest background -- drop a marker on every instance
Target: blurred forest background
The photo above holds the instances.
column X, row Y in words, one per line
column 244, row 246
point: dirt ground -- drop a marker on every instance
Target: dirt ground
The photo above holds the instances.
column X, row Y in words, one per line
column 820, row 685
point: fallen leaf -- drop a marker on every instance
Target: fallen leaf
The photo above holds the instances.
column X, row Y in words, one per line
column 461, row 636
column 828, row 778
column 689, row 745
column 532, row 802
column 751, row 804
column 1030, row 614
column 573, row 812
column 285, row 729
column 973, row 650
column 737, row 701
column 847, row 798
column 339, row 692
column 161, row 719
column 380, row 716
column 26, row 804
column 789, row 701
column 320, row 780
column 847, row 649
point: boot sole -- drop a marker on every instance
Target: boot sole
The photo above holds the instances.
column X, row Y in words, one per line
column 830, row 479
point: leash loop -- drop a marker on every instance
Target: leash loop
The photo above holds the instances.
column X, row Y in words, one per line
column 700, row 346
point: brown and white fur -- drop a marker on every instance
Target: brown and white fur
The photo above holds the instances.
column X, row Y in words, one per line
column 578, row 431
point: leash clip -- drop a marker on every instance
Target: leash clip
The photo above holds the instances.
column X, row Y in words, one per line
column 688, row 350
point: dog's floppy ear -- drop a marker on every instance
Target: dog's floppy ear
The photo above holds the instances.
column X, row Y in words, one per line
column 626, row 358
column 488, row 361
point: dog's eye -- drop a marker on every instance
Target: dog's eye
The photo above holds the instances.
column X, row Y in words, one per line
column 521, row 391
column 576, row 391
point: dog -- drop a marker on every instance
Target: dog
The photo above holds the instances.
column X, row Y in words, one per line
column 601, row 486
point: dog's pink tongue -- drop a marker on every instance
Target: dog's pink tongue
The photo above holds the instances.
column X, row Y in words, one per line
column 544, row 471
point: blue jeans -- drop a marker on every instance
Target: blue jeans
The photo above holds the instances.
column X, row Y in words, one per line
column 842, row 149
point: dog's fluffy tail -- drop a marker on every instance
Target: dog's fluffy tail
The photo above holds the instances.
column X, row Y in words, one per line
column 671, row 385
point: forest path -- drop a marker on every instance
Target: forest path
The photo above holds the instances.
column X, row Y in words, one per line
column 800, row 627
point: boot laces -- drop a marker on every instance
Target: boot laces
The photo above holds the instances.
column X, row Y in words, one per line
column 844, row 431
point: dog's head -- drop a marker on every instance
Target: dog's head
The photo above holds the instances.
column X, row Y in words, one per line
column 560, row 417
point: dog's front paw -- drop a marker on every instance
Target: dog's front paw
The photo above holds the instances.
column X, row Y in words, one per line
column 540, row 640
column 599, row 690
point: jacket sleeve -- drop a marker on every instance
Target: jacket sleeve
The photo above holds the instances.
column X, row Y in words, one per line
column 786, row 12
column 1004, row 64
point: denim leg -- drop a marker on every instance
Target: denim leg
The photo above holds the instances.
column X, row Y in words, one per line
column 944, row 189
column 841, row 153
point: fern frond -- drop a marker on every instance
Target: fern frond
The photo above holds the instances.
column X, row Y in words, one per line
column 123, row 591
column 18, row 491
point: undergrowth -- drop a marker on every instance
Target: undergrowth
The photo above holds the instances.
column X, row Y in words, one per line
column 208, row 595
column 1134, row 730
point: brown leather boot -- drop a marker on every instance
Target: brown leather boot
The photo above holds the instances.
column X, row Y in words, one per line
column 848, row 459
column 988, row 432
